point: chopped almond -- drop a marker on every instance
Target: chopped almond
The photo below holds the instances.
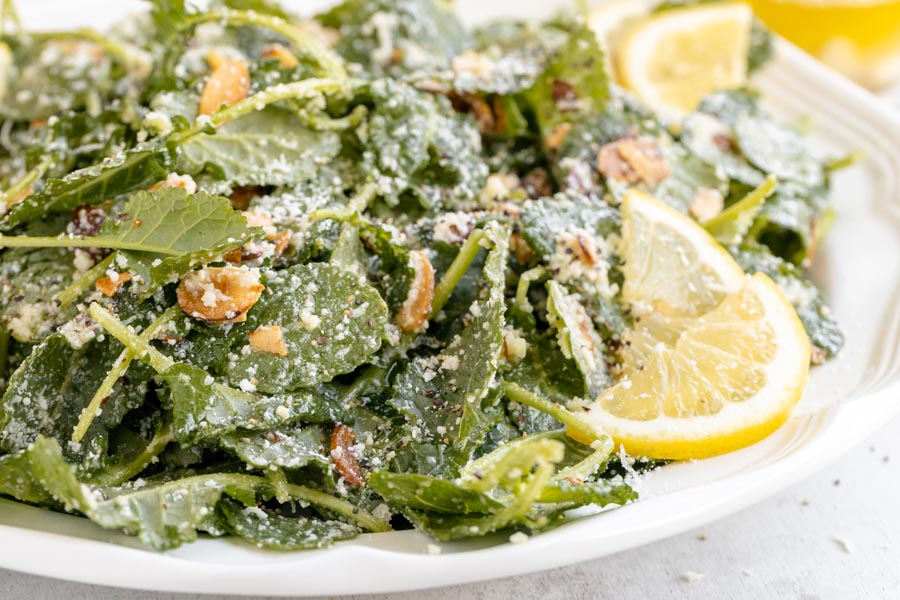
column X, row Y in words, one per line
column 522, row 251
column 185, row 182
column 342, row 455
column 235, row 256
column 707, row 203
column 268, row 339
column 285, row 58
column 258, row 219
column 633, row 161
column 558, row 135
column 473, row 64
column 109, row 286
column 219, row 294
column 281, row 239
column 241, row 196
column 228, row 83
column 414, row 312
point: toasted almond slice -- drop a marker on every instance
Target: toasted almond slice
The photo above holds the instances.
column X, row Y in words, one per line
column 109, row 286
column 281, row 240
column 286, row 59
column 268, row 339
column 219, row 294
column 175, row 180
column 235, row 256
column 228, row 83
column 414, row 312
column 342, row 455
column 258, row 219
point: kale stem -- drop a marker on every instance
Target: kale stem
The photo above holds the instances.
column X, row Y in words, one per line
column 119, row 474
column 329, row 63
column 361, row 199
column 326, row 123
column 118, row 370
column 362, row 517
column 83, row 283
column 525, row 281
column 527, row 497
column 18, row 188
column 63, row 241
column 458, row 268
column 282, row 91
column 845, row 161
column 342, row 215
column 141, row 348
column 279, row 483
column 584, row 429
column 135, row 60
column 731, row 225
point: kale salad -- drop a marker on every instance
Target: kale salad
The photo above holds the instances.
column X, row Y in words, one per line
column 293, row 280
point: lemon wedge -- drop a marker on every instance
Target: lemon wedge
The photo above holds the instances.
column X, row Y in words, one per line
column 673, row 59
column 716, row 361
column 609, row 20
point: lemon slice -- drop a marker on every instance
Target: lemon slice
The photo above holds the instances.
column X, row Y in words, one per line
column 672, row 265
column 609, row 20
column 716, row 367
column 672, row 59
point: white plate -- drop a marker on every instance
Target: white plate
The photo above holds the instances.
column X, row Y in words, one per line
column 859, row 267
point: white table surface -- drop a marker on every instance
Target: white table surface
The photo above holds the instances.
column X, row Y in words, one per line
column 835, row 536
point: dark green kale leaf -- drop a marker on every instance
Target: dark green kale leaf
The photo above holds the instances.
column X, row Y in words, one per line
column 824, row 333
column 289, row 447
column 49, row 77
column 689, row 174
column 521, row 476
column 788, row 220
column 421, row 492
column 777, row 150
column 546, row 371
column 331, row 320
column 170, row 231
column 544, row 220
column 711, row 138
column 29, row 280
column 414, row 144
column 445, row 397
column 574, row 83
column 267, row 147
column 397, row 36
column 119, row 174
column 267, row 529
column 18, row 481
column 163, row 514
column 54, row 384
column 578, row 338
column 575, row 160
column 204, row 410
